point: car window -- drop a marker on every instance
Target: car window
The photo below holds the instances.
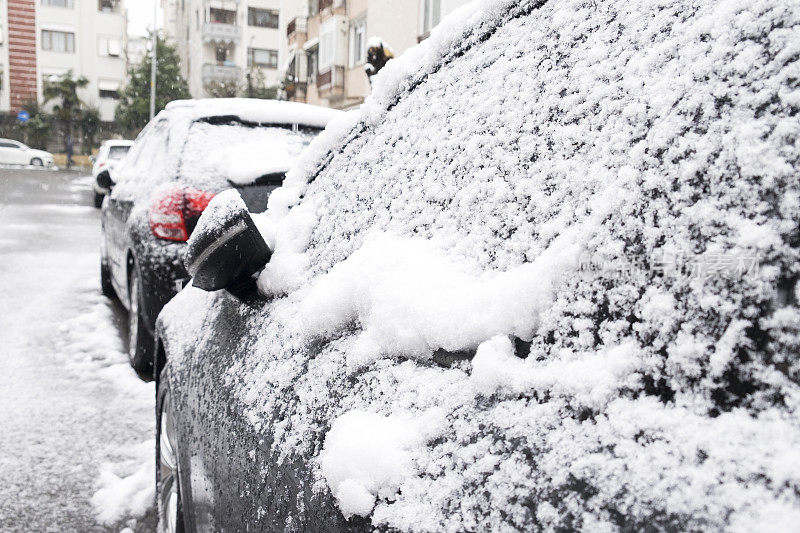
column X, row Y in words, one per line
column 8, row 145
column 118, row 152
column 147, row 161
column 215, row 153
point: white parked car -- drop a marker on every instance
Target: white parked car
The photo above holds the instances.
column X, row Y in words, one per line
column 15, row 153
column 110, row 153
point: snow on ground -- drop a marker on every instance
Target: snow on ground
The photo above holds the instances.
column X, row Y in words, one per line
column 73, row 411
column 91, row 348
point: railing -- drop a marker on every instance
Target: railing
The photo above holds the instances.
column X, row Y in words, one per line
column 296, row 25
column 331, row 77
column 213, row 72
column 216, row 31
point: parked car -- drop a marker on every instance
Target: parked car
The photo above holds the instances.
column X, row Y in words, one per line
column 110, row 153
column 546, row 280
column 188, row 153
column 15, row 153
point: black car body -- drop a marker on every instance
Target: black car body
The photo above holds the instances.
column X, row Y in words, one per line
column 547, row 280
column 186, row 155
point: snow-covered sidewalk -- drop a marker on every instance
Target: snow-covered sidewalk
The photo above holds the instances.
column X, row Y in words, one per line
column 77, row 424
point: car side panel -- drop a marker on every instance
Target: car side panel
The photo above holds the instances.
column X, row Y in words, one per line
column 235, row 478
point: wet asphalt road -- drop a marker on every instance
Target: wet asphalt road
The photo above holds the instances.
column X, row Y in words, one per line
column 67, row 405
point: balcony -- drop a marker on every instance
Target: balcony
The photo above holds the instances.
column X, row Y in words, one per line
column 296, row 25
column 212, row 73
column 330, row 82
column 332, row 5
column 216, row 32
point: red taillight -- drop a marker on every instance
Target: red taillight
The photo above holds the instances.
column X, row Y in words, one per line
column 174, row 212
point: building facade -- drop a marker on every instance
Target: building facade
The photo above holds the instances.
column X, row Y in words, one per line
column 324, row 43
column 226, row 47
column 43, row 39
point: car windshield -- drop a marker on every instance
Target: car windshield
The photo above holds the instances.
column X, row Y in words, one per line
column 118, row 152
column 240, row 153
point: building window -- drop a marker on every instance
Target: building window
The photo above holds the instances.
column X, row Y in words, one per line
column 58, row 41
column 358, row 42
column 263, row 18
column 222, row 55
column 258, row 57
column 108, row 89
column 431, row 12
column 313, row 8
column 327, row 43
column 109, row 46
column 107, row 6
column 222, row 16
column 59, row 3
column 313, row 64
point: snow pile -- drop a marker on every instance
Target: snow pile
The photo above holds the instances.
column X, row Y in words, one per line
column 91, row 349
column 591, row 380
column 410, row 300
column 365, row 456
column 126, row 488
column 660, row 388
column 254, row 110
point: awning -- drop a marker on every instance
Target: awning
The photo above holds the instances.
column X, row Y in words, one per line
column 311, row 43
column 288, row 63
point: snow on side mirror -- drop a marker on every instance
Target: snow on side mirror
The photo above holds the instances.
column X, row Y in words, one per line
column 226, row 248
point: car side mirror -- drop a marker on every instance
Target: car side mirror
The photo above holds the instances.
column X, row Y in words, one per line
column 104, row 180
column 93, row 159
column 226, row 248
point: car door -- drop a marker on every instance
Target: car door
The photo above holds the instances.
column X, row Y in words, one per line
column 12, row 153
column 234, row 476
column 126, row 192
column 7, row 153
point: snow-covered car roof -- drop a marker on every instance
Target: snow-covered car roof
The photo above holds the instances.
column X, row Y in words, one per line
column 118, row 142
column 254, row 110
column 599, row 200
column 228, row 155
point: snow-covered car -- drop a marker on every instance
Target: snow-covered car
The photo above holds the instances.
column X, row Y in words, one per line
column 15, row 153
column 545, row 279
column 188, row 153
column 109, row 154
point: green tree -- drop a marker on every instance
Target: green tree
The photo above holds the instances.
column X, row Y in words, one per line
column 223, row 88
column 133, row 111
column 90, row 125
column 64, row 89
column 257, row 86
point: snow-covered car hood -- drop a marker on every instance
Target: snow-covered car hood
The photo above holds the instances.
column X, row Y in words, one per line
column 599, row 200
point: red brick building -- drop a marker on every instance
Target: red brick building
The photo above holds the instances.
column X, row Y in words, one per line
column 21, row 52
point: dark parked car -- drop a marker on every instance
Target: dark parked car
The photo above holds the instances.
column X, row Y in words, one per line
column 191, row 151
column 547, row 280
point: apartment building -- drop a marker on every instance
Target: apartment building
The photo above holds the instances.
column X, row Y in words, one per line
column 225, row 45
column 46, row 38
column 324, row 43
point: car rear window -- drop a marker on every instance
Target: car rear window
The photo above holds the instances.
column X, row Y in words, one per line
column 217, row 153
column 118, row 152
